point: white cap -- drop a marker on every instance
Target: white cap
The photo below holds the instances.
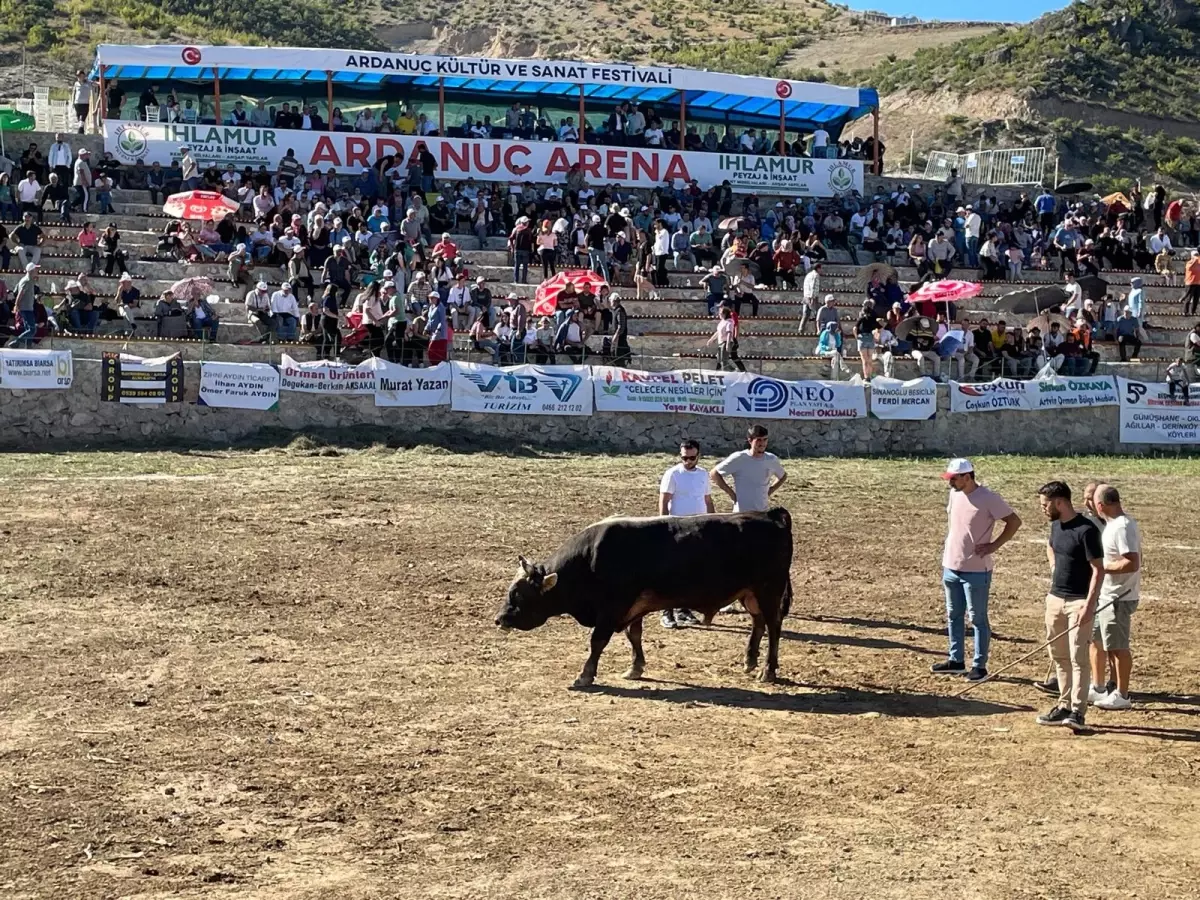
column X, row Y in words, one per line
column 286, row 286
column 480, row 280
column 125, row 276
column 958, row 466
column 262, row 285
column 31, row 267
column 434, row 294
column 512, row 296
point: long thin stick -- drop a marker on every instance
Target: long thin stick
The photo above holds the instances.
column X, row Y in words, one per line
column 975, row 684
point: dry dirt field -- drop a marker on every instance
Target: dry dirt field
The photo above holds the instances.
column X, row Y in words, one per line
column 274, row 674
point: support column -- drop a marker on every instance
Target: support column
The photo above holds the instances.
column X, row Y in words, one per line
column 103, row 99
column 217, row 95
column 782, row 130
column 582, row 130
column 875, row 124
column 682, row 120
column 329, row 99
column 441, row 107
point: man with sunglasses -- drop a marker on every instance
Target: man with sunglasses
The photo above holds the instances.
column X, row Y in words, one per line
column 684, row 491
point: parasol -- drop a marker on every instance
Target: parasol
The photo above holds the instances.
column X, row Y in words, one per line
column 1094, row 287
column 905, row 328
column 1073, row 187
column 733, row 268
column 200, row 205
column 732, row 223
column 863, row 276
column 1032, row 301
column 545, row 300
column 194, row 288
column 945, row 291
column 1042, row 323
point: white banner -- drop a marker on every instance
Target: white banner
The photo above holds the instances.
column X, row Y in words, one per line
column 522, row 390
column 629, row 390
column 403, row 386
column 759, row 397
column 457, row 159
column 36, row 370
column 1150, row 416
column 1065, row 391
column 571, row 71
column 239, row 385
column 326, row 377
column 892, row 398
column 1003, row 393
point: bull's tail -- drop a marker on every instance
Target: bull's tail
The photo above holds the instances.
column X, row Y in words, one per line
column 781, row 516
column 785, row 606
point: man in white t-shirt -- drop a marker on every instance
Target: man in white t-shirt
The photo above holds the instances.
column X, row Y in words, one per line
column 820, row 140
column 684, row 491
column 1120, row 590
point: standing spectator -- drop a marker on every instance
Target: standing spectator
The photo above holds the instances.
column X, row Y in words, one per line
column 751, row 471
column 25, row 301
column 725, row 337
column 336, row 272
column 1119, row 595
column 972, row 224
column 1075, row 555
column 1127, row 333
column 190, row 170
column 60, row 158
column 620, row 339
column 684, row 491
column 331, row 336
column 437, row 329
column 1191, row 278
column 521, row 244
column 967, row 563
column 81, row 98
column 864, row 332
column 662, row 252
column 812, row 290
column 547, row 244
column 597, row 253
column 82, row 181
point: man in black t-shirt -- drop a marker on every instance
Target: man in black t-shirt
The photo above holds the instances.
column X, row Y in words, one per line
column 1076, row 560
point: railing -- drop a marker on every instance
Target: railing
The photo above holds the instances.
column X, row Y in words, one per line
column 1012, row 166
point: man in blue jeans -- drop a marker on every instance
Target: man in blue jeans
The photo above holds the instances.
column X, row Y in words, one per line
column 972, row 511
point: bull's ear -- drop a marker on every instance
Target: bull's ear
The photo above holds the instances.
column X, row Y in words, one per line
column 549, row 581
column 525, row 564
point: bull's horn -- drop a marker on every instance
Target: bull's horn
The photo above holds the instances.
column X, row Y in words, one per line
column 525, row 564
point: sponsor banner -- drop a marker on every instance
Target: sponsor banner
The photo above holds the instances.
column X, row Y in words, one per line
column 759, row 397
column 1061, row 391
column 125, row 378
column 892, row 398
column 416, row 64
column 36, row 370
column 325, row 377
column 403, row 386
column 688, row 391
column 1150, row 416
column 239, row 385
column 457, row 159
column 522, row 390
column 991, row 396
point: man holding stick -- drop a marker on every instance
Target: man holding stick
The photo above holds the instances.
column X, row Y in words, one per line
column 1076, row 556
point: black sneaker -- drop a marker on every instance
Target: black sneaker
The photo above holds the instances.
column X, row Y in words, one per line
column 977, row 673
column 1049, row 686
column 1109, row 687
column 949, row 667
column 1075, row 722
column 1056, row 716
column 685, row 617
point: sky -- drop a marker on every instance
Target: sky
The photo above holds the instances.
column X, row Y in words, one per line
column 950, row 10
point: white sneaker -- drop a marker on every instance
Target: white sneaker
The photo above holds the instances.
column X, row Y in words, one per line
column 1095, row 696
column 1115, row 700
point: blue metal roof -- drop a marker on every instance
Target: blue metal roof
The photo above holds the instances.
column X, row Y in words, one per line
column 702, row 106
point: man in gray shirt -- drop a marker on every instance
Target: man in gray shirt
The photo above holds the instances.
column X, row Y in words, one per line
column 24, row 301
column 751, row 471
column 827, row 313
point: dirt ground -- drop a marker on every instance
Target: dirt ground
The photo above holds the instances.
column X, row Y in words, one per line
column 274, row 674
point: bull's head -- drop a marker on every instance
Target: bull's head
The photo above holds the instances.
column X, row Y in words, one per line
column 528, row 606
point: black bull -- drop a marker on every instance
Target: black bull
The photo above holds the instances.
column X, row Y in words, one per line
column 611, row 574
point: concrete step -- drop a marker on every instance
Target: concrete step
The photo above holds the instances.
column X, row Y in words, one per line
column 191, row 350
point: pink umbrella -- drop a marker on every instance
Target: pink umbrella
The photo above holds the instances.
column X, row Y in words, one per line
column 945, row 291
column 194, row 288
column 200, row 205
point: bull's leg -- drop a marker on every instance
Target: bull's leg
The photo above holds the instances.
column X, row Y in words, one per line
column 601, row 635
column 756, row 633
column 774, row 628
column 634, row 633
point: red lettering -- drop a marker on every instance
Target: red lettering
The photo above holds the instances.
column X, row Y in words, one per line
column 589, row 162
column 387, row 145
column 358, row 151
column 676, row 168
column 510, row 162
column 645, row 165
column 618, row 161
column 558, row 164
column 325, row 152
column 491, row 165
column 456, row 157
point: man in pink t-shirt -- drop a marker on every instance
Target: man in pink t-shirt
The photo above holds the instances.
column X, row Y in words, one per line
column 973, row 511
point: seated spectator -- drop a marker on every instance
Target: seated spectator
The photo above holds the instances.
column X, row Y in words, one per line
column 285, row 313
column 830, row 346
column 922, row 339
column 114, row 256
column 88, row 242
column 166, row 309
column 129, row 302
column 81, row 308
column 569, row 338
column 202, row 321
column 1127, row 334
column 1178, row 378
column 483, row 340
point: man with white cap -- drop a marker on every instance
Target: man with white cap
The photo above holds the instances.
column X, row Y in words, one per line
column 24, row 296
column 258, row 311
column 436, row 330
column 82, row 182
column 285, row 311
column 967, row 562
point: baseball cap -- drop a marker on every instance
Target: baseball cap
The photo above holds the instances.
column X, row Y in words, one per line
column 262, row 285
column 31, row 267
column 480, row 280
column 958, row 466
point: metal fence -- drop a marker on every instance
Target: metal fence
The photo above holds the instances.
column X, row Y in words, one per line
column 1013, row 166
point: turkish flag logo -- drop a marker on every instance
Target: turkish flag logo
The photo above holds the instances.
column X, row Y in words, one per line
column 783, row 90
column 191, row 56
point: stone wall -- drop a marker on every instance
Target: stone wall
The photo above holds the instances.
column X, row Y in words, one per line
column 75, row 418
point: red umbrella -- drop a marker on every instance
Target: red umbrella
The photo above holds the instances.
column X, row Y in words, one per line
column 199, row 205
column 945, row 291
column 545, row 301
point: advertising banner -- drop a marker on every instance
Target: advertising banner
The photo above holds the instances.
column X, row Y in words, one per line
column 36, row 370
column 759, row 397
column 688, row 391
column 522, row 390
column 403, row 386
column 483, row 160
column 1150, row 416
column 325, row 377
column 1062, row 391
column 991, row 396
column 125, row 378
column 322, row 60
column 895, row 399
column 239, row 385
